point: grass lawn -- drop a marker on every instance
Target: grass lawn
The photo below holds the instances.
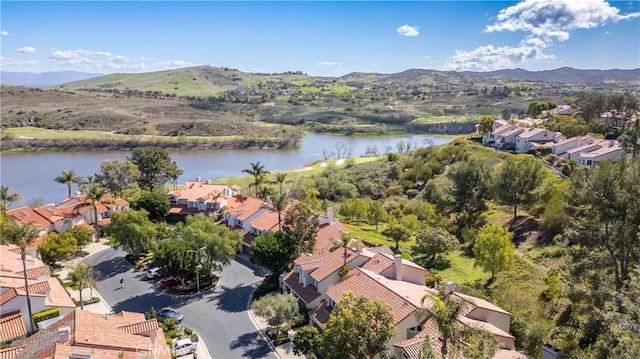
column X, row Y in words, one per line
column 438, row 119
column 293, row 174
column 462, row 270
column 43, row 133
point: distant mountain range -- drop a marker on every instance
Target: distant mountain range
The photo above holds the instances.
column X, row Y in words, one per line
column 563, row 75
column 43, row 79
column 566, row 75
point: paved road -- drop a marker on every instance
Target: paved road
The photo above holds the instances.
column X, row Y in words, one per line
column 220, row 315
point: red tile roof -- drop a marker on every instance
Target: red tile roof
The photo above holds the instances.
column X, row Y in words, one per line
column 12, row 327
column 267, row 220
column 332, row 259
column 328, row 233
column 403, row 297
column 183, row 209
column 320, row 314
column 10, row 353
column 308, row 294
column 243, row 207
column 27, row 215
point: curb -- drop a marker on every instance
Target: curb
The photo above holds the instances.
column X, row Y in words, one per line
column 255, row 324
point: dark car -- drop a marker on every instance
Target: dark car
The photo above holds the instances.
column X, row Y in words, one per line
column 169, row 282
column 167, row 313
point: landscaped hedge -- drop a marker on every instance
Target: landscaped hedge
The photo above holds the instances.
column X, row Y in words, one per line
column 46, row 314
column 87, row 302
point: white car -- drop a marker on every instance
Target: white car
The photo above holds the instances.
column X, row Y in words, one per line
column 153, row 272
column 184, row 347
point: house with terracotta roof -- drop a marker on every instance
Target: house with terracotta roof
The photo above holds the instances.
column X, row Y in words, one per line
column 241, row 210
column 71, row 212
column 82, row 334
column 45, row 292
column 475, row 313
column 200, row 196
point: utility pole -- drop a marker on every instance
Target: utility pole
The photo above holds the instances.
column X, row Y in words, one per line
column 198, row 265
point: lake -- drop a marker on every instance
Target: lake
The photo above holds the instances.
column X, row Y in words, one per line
column 31, row 174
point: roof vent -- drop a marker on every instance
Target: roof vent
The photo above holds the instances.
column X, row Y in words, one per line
column 64, row 334
column 79, row 356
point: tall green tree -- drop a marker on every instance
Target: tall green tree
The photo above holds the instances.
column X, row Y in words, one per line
column 485, row 125
column 431, row 243
column 358, row 328
column 470, row 188
column 494, row 250
column 605, row 210
column 300, row 226
column 117, row 176
column 69, row 178
column 155, row 203
column 7, row 198
column 173, row 256
column 516, row 181
column 81, row 234
column 81, row 274
column 132, row 230
column 21, row 235
column 307, row 341
column 376, row 213
column 58, row 246
column 276, row 309
column 398, row 233
column 174, row 174
column 259, row 174
column 155, row 167
column 280, row 202
column 219, row 242
column 273, row 250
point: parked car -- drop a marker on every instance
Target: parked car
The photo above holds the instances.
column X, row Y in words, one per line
column 153, row 272
column 167, row 313
column 184, row 346
column 169, row 282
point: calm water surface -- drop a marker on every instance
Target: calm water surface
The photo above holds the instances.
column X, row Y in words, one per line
column 31, row 174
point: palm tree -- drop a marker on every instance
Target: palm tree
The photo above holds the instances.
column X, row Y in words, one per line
column 22, row 235
column 280, row 179
column 345, row 242
column 6, row 198
column 96, row 195
column 445, row 312
column 174, row 173
column 82, row 275
column 69, row 178
column 280, row 202
column 258, row 172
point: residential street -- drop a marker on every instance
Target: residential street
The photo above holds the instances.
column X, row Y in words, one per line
column 220, row 315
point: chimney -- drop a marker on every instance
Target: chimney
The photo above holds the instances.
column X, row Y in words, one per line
column 64, row 334
column 449, row 287
column 198, row 179
column 551, row 352
column 397, row 267
column 330, row 215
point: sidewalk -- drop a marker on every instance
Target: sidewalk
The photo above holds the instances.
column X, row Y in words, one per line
column 284, row 351
column 103, row 307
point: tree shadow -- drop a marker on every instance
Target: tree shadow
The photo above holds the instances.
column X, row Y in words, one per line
column 246, row 262
column 232, row 300
column 441, row 263
column 157, row 299
column 111, row 268
column 253, row 344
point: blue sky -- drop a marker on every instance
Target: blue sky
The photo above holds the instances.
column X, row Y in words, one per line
column 319, row 38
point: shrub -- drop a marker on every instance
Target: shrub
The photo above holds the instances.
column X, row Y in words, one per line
column 343, row 271
column 187, row 331
column 268, row 285
column 171, row 334
column 194, row 337
column 300, row 320
column 87, row 302
column 432, row 279
column 46, row 314
column 169, row 324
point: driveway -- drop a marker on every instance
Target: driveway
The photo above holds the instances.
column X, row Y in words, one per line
column 220, row 315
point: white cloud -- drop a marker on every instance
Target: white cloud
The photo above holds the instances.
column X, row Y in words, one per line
column 3, row 33
column 27, row 49
column 488, row 58
column 549, row 19
column 105, row 61
column 7, row 62
column 329, row 63
column 408, row 30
